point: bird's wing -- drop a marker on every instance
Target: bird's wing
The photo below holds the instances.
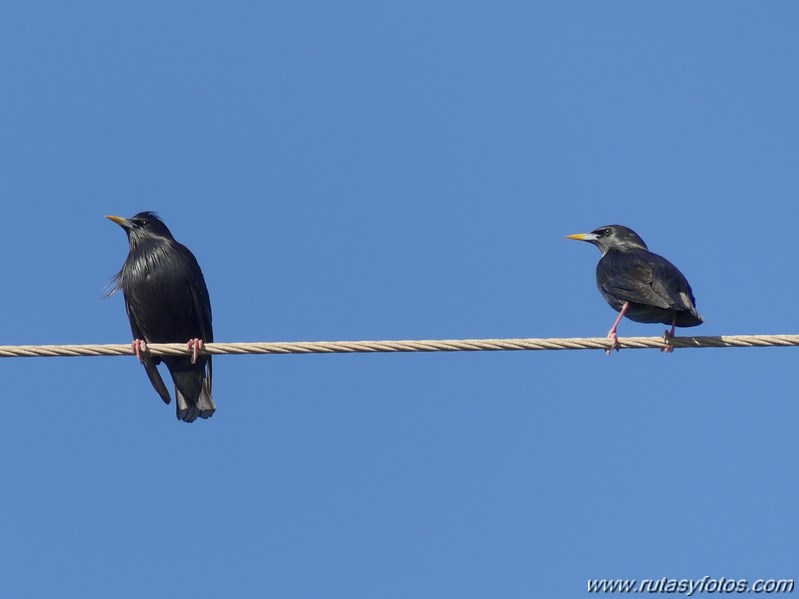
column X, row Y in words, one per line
column 202, row 307
column 155, row 378
column 646, row 278
column 630, row 289
column 147, row 361
column 671, row 283
column 628, row 277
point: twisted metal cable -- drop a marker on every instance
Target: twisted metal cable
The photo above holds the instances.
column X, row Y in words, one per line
column 432, row 345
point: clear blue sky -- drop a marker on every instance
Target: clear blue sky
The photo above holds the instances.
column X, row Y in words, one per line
column 363, row 170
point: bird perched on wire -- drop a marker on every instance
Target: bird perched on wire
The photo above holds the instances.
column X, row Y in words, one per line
column 638, row 284
column 167, row 302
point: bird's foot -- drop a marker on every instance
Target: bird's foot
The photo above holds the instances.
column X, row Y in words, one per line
column 195, row 346
column 668, row 335
column 614, row 339
column 139, row 348
column 614, row 342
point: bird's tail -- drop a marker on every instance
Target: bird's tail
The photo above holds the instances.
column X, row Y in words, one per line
column 192, row 388
column 203, row 407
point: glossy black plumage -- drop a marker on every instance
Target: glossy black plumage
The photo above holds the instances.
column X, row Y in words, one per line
column 651, row 286
column 167, row 302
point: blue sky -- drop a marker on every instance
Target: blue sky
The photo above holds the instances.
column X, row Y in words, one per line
column 362, row 170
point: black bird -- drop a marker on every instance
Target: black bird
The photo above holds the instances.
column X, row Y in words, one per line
column 167, row 302
column 638, row 284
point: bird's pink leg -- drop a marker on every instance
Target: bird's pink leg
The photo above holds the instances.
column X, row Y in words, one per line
column 195, row 346
column 614, row 339
column 139, row 347
column 668, row 336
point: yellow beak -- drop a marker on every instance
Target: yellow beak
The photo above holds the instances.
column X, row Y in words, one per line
column 118, row 220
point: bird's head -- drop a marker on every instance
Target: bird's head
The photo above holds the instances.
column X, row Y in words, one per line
column 612, row 237
column 144, row 225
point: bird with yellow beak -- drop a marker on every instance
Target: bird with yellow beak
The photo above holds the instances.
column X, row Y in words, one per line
column 638, row 284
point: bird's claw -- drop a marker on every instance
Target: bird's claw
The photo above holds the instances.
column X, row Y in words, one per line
column 667, row 346
column 195, row 346
column 139, row 347
column 614, row 343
